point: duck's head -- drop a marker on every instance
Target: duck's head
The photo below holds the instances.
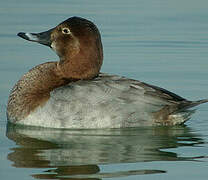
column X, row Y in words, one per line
column 77, row 42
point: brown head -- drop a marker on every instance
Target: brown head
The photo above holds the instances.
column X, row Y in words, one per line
column 78, row 43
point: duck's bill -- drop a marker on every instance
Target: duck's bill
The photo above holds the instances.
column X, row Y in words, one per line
column 42, row 38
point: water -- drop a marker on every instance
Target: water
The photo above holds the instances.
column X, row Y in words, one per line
column 160, row 42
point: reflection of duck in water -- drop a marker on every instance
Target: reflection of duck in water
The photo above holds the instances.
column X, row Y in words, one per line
column 63, row 149
column 48, row 95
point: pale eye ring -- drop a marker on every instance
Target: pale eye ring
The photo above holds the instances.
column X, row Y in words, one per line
column 66, row 31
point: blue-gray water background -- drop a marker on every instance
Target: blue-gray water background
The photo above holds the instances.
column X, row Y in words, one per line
column 161, row 42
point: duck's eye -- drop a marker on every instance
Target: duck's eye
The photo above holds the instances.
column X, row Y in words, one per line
column 66, row 31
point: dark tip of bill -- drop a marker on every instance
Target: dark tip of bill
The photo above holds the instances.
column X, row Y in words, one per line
column 23, row 35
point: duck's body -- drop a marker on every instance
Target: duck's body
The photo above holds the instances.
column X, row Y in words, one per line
column 72, row 93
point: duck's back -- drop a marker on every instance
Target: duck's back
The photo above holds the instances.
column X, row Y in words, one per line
column 108, row 101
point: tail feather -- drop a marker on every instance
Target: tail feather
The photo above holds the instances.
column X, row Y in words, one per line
column 177, row 114
column 183, row 112
column 189, row 104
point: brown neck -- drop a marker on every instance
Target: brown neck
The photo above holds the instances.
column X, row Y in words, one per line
column 70, row 69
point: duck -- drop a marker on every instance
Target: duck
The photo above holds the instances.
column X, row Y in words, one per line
column 72, row 93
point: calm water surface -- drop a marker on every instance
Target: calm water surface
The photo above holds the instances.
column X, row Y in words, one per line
column 164, row 43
